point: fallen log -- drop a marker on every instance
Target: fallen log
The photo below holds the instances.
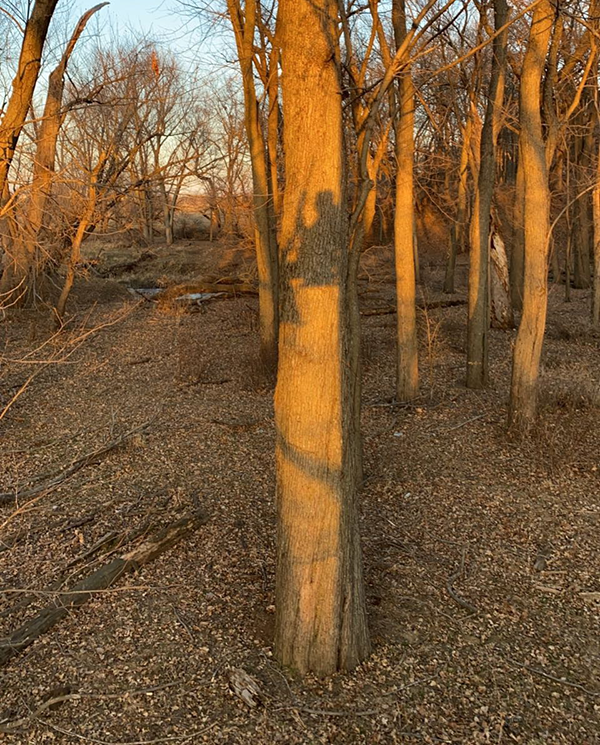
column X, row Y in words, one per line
column 103, row 578
column 110, row 543
column 228, row 288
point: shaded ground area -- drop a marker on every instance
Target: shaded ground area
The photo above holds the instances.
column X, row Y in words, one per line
column 481, row 553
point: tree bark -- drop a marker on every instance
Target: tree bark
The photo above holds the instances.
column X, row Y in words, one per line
column 265, row 237
column 463, row 185
column 517, row 256
column 501, row 309
column 320, row 607
column 407, row 371
column 24, row 83
column 479, row 278
column 596, row 280
column 25, row 255
column 528, row 345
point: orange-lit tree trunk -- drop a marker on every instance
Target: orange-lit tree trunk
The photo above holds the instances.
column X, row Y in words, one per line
column 320, row 607
column 244, row 25
column 596, row 280
column 536, row 220
column 14, row 117
column 24, row 83
column 25, row 264
column 407, row 372
column 517, row 256
column 479, row 266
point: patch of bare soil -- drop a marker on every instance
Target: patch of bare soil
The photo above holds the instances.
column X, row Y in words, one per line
column 481, row 553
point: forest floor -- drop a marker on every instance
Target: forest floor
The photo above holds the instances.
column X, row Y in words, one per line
column 482, row 553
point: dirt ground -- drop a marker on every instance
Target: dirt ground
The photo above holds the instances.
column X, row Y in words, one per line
column 482, row 554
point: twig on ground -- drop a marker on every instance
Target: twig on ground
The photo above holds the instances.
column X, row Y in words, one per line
column 463, row 424
column 56, row 478
column 7, row 727
column 554, row 678
column 96, row 741
column 453, row 593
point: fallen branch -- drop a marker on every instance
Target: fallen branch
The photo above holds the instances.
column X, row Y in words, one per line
column 110, row 542
column 51, row 481
column 453, row 593
column 103, row 578
column 554, row 678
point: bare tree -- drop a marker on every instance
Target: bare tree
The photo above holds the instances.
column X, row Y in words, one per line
column 479, row 276
column 407, row 374
column 245, row 21
column 536, row 218
column 22, row 261
column 23, row 85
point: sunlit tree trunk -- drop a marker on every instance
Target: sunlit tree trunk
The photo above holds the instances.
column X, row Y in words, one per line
column 463, row 184
column 321, row 619
column 24, row 83
column 517, row 256
column 596, row 281
column 407, row 372
column 528, row 345
column 75, row 253
column 26, row 261
column 479, row 277
column 16, row 267
column 244, row 25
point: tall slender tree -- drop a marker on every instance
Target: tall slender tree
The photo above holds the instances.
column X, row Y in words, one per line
column 407, row 368
column 244, row 22
column 479, row 278
column 536, row 220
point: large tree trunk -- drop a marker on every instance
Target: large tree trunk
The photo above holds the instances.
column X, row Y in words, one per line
column 321, row 617
column 479, row 305
column 528, row 346
column 407, row 372
column 596, row 283
column 24, row 83
column 265, row 236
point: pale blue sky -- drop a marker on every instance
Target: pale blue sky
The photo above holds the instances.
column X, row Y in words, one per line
column 163, row 21
column 158, row 17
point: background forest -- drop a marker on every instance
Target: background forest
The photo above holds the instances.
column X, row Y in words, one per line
column 299, row 372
